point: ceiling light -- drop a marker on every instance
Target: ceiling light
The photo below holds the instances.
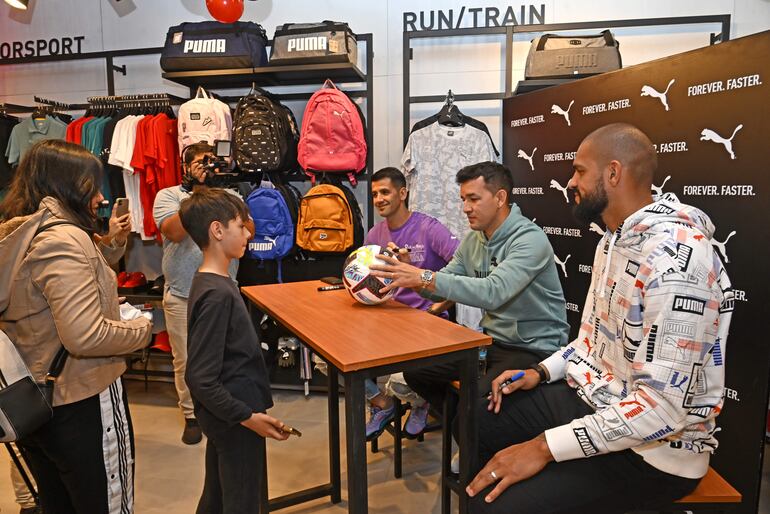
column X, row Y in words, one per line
column 18, row 4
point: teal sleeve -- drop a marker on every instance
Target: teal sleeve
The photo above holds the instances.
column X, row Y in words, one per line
column 525, row 258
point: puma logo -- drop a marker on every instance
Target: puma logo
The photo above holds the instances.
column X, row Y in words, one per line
column 271, row 239
column 659, row 189
column 650, row 91
column 523, row 155
column 596, row 228
column 207, row 121
column 561, row 263
column 555, row 109
column 710, row 135
column 721, row 245
column 588, row 344
column 631, row 402
column 563, row 189
column 587, row 374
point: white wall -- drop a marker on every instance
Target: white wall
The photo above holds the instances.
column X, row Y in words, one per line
column 465, row 65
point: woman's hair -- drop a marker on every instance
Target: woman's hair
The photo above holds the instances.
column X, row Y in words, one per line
column 65, row 171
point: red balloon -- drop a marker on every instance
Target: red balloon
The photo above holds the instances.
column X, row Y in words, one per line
column 226, row 11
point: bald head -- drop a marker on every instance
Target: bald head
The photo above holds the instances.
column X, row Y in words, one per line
column 628, row 145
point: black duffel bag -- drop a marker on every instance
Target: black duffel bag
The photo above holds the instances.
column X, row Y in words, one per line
column 211, row 45
column 552, row 56
column 314, row 43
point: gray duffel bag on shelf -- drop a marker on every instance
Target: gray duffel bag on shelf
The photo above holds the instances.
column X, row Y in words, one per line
column 314, row 43
column 551, row 56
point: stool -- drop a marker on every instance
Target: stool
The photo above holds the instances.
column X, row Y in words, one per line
column 395, row 430
column 713, row 493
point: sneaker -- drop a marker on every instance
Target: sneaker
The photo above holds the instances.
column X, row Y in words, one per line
column 415, row 423
column 192, row 431
column 454, row 466
column 378, row 420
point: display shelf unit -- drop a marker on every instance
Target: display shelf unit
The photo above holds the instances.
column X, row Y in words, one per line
column 305, row 75
column 508, row 32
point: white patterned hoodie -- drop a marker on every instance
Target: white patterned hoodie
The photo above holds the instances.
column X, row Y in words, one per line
column 650, row 354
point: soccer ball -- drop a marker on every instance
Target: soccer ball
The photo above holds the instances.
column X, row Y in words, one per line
column 362, row 286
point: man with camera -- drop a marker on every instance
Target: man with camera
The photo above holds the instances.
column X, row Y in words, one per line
column 181, row 258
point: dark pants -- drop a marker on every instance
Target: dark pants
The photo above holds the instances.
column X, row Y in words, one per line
column 82, row 459
column 234, row 472
column 431, row 382
column 610, row 483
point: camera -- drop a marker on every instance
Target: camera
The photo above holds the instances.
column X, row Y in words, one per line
column 222, row 150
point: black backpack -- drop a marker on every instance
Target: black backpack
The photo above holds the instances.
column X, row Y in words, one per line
column 358, row 217
column 265, row 134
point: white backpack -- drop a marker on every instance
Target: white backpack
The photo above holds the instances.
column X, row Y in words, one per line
column 203, row 119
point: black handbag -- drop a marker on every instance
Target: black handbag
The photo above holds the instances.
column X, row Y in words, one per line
column 210, row 45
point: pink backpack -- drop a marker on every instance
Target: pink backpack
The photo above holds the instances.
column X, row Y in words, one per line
column 332, row 139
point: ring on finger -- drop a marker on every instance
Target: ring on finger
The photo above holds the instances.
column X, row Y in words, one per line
column 494, row 475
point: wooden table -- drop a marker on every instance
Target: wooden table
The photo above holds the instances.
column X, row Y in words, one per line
column 362, row 342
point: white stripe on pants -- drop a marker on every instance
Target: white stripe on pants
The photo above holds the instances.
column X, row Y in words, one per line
column 118, row 458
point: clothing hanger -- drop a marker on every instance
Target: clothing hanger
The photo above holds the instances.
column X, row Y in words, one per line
column 450, row 115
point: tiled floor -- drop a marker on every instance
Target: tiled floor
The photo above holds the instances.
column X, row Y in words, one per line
column 169, row 475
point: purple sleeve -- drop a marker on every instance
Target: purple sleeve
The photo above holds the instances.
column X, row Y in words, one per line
column 442, row 241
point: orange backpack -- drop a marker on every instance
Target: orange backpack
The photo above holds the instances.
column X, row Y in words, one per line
column 329, row 221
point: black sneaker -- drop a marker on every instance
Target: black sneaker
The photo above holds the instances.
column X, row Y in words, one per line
column 192, row 431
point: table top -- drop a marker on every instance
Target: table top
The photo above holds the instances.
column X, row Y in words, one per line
column 353, row 336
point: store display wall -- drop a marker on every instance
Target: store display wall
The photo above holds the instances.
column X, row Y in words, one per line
column 467, row 65
column 707, row 113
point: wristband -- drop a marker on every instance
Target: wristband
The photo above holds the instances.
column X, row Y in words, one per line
column 541, row 372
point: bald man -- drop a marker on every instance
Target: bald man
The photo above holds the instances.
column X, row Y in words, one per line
column 623, row 418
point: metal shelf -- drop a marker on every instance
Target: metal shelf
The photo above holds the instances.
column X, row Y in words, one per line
column 306, row 74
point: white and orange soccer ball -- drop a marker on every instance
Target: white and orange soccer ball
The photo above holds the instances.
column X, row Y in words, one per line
column 361, row 285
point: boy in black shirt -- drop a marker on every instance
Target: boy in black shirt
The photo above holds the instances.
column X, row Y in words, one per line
column 225, row 370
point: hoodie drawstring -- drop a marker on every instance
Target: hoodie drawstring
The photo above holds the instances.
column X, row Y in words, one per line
column 606, row 272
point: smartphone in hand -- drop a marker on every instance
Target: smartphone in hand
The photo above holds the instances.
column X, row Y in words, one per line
column 121, row 207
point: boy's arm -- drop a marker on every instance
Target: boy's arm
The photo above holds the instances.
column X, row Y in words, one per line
column 206, row 348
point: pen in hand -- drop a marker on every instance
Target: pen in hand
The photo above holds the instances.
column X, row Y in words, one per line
column 516, row 376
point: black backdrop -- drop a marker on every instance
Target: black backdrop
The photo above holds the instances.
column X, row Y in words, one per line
column 717, row 100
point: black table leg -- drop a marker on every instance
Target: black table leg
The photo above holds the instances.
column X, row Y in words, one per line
column 334, row 435
column 468, row 423
column 355, row 435
column 397, row 439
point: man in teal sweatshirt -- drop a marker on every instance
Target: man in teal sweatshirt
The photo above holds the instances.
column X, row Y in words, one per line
column 505, row 266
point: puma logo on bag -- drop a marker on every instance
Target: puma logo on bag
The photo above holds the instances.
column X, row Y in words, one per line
column 650, row 91
column 555, row 109
column 710, row 135
column 523, row 155
column 563, row 189
column 205, row 46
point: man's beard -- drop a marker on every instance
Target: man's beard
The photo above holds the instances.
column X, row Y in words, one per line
column 591, row 207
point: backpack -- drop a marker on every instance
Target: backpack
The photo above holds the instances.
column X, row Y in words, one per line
column 328, row 221
column 265, row 134
column 203, row 118
column 332, row 137
column 274, row 212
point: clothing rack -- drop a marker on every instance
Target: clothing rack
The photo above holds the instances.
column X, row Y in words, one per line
column 509, row 31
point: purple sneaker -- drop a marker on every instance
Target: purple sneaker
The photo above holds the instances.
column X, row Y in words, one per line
column 378, row 420
column 415, row 423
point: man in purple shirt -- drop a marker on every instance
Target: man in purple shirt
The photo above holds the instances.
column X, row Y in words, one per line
column 426, row 243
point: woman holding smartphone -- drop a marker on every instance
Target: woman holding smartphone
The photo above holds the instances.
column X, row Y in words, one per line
column 57, row 289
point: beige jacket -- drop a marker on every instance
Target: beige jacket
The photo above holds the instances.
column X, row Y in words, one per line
column 59, row 290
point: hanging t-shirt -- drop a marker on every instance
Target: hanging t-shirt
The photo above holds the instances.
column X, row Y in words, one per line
column 430, row 243
column 28, row 132
column 124, row 141
column 432, row 157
